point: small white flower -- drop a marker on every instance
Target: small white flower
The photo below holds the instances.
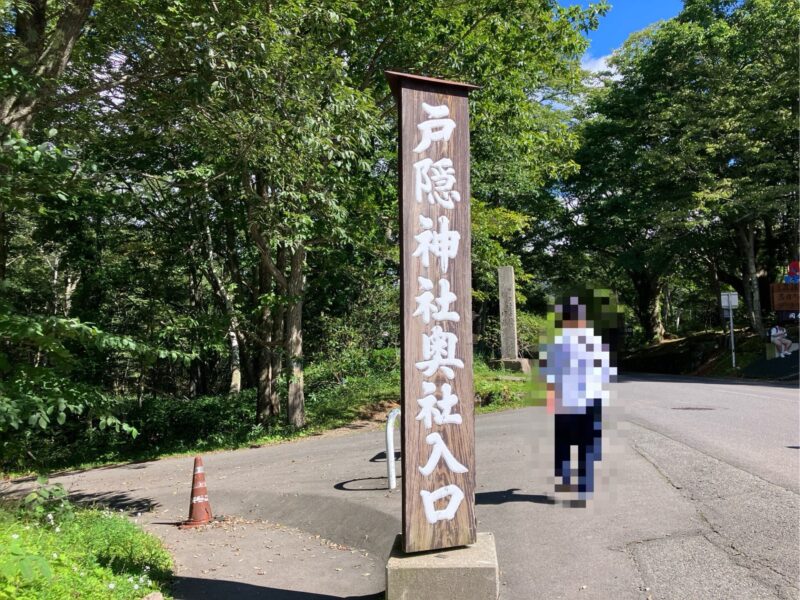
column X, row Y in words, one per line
column 111, row 586
column 58, row 529
column 136, row 586
column 14, row 536
column 147, row 567
column 55, row 555
column 130, row 579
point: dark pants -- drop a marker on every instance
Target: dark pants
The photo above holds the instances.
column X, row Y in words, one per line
column 583, row 431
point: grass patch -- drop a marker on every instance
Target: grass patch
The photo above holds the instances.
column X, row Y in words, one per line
column 338, row 392
column 499, row 389
column 80, row 553
column 706, row 353
column 681, row 356
column 749, row 348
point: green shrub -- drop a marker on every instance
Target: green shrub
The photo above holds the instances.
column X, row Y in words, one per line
column 47, row 503
column 95, row 555
column 338, row 391
column 530, row 328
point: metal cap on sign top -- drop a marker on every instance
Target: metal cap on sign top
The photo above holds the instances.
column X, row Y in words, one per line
column 395, row 77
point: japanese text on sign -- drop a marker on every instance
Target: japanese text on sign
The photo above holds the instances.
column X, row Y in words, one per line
column 435, row 183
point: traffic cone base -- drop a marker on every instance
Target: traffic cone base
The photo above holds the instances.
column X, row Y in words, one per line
column 199, row 508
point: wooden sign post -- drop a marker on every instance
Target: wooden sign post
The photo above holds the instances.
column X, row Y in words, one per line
column 438, row 433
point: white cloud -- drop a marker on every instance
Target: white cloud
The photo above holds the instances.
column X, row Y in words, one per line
column 595, row 64
column 598, row 69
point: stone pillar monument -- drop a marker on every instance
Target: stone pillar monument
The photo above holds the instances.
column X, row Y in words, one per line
column 508, row 314
column 509, row 348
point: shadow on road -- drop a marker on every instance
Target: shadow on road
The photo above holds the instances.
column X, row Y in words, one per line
column 134, row 465
column 354, row 485
column 193, row 588
column 381, row 456
column 503, row 496
column 114, row 501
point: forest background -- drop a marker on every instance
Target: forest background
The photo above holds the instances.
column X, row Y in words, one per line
column 198, row 200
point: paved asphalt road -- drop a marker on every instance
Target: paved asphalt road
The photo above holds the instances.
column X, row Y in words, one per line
column 697, row 498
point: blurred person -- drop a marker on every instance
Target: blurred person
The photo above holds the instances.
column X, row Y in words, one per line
column 778, row 336
column 577, row 363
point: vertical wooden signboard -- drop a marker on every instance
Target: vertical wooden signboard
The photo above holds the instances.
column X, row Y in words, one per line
column 437, row 391
column 785, row 296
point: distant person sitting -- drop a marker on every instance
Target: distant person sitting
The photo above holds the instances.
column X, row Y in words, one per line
column 777, row 336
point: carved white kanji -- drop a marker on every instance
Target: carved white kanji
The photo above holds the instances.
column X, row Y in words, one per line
column 437, row 411
column 440, row 450
column 427, row 403
column 429, row 306
column 443, row 243
column 439, row 352
column 425, row 301
column 437, row 128
column 446, row 404
column 429, row 500
column 435, row 181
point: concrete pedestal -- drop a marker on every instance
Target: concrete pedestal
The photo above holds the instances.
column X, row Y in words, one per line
column 520, row 365
column 468, row 573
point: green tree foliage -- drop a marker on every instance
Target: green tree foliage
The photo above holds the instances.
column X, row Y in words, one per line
column 219, row 179
column 199, row 198
column 688, row 155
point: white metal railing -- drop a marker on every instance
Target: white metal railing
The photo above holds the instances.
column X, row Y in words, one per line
column 390, row 447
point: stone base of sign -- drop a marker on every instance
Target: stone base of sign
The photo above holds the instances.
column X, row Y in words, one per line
column 467, row 573
column 522, row 365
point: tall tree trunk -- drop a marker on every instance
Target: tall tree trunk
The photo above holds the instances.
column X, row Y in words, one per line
column 264, row 386
column 717, row 289
column 236, row 363
column 264, row 367
column 772, row 251
column 648, row 305
column 278, row 327
column 745, row 241
column 4, row 238
column 44, row 58
column 247, row 363
column 294, row 339
column 197, row 375
column 69, row 290
column 233, row 334
column 276, row 368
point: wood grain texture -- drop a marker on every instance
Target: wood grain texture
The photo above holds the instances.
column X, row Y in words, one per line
column 785, row 296
column 418, row 534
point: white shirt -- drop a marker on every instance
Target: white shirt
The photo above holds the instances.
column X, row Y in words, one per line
column 579, row 365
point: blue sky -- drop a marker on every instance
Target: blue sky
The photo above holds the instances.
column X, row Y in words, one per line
column 624, row 17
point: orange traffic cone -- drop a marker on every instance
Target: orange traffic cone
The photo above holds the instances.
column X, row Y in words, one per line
column 199, row 508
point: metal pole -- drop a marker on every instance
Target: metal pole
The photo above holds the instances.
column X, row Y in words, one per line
column 733, row 346
column 390, row 447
